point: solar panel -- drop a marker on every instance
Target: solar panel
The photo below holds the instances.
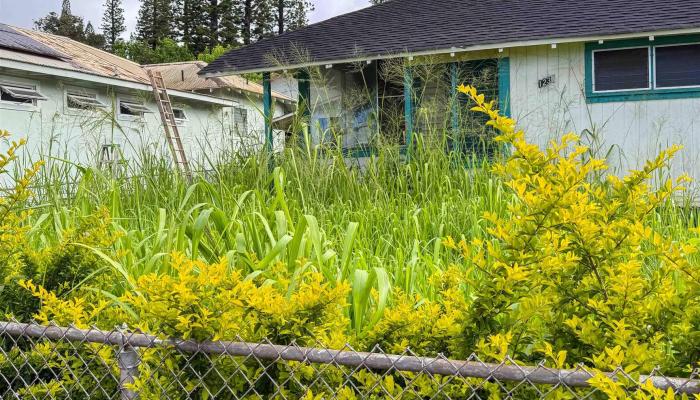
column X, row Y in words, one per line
column 14, row 40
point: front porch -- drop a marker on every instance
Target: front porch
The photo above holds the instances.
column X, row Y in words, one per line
column 359, row 106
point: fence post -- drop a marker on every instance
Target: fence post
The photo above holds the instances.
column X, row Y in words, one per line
column 129, row 360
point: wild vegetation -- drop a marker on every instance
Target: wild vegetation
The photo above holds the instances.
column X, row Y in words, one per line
column 538, row 254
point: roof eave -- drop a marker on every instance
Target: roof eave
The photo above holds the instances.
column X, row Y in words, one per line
column 105, row 80
column 488, row 46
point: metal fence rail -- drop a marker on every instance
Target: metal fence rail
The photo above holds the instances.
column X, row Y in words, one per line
column 51, row 362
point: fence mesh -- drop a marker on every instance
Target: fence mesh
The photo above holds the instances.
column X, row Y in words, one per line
column 51, row 362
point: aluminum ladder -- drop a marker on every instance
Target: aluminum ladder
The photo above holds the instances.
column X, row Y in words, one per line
column 172, row 134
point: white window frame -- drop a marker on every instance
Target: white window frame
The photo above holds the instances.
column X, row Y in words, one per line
column 81, row 92
column 180, row 121
column 131, row 100
column 649, row 67
column 22, row 84
column 656, row 70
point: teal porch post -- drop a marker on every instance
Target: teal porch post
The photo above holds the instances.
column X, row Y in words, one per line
column 267, row 111
column 408, row 86
column 454, row 77
column 304, row 86
column 504, row 85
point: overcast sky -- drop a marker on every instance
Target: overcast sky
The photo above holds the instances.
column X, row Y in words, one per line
column 23, row 12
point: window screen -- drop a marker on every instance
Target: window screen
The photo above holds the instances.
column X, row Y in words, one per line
column 179, row 114
column 84, row 101
column 130, row 108
column 20, row 94
column 621, row 69
column 678, row 66
column 240, row 119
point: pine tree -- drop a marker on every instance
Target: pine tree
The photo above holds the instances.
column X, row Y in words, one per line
column 214, row 16
column 156, row 21
column 192, row 22
column 113, row 25
column 247, row 20
column 231, row 25
column 66, row 24
column 297, row 14
column 93, row 38
column 264, row 19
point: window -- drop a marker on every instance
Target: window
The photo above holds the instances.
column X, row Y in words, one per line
column 677, row 66
column 649, row 68
column 133, row 108
column 83, row 101
column 20, row 94
column 240, row 121
column 625, row 69
column 180, row 115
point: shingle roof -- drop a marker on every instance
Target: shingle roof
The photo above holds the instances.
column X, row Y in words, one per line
column 184, row 76
column 401, row 26
column 12, row 39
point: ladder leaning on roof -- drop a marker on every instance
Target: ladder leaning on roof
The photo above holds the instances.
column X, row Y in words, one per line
column 172, row 134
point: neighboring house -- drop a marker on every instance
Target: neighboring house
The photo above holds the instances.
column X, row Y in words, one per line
column 625, row 74
column 75, row 102
column 244, row 120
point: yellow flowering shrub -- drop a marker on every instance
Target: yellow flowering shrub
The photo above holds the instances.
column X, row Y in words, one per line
column 13, row 217
column 205, row 302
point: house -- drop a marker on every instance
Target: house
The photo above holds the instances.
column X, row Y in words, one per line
column 72, row 101
column 245, row 119
column 623, row 74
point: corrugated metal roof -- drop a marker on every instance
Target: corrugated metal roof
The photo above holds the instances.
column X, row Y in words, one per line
column 185, row 76
column 411, row 26
column 44, row 61
column 90, row 59
column 81, row 57
column 12, row 39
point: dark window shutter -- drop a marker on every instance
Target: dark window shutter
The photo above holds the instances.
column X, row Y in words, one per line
column 621, row 69
column 678, row 66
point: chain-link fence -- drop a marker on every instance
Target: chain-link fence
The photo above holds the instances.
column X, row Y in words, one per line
column 51, row 362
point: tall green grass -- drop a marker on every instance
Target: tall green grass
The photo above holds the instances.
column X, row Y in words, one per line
column 377, row 223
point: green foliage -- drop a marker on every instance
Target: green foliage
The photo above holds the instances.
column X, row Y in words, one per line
column 113, row 22
column 167, row 51
column 69, row 25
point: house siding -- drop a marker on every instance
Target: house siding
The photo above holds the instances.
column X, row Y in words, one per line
column 628, row 132
column 52, row 129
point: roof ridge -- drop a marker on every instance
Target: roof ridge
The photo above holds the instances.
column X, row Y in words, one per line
column 73, row 41
column 197, row 62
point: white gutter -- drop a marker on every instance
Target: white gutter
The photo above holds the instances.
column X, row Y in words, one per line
column 492, row 46
column 105, row 80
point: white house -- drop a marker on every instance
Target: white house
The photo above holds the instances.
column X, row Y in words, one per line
column 74, row 102
column 623, row 74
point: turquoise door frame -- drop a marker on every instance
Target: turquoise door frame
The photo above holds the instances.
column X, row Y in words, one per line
column 304, row 86
column 267, row 111
column 408, row 85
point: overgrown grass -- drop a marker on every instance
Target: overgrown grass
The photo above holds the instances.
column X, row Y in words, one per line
column 378, row 226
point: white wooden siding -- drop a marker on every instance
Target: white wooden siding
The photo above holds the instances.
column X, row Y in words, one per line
column 630, row 132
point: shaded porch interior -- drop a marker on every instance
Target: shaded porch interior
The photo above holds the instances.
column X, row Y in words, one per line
column 358, row 107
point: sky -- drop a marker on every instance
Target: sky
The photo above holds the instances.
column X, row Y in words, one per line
column 22, row 13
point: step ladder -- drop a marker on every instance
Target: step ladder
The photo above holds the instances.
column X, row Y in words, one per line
column 172, row 134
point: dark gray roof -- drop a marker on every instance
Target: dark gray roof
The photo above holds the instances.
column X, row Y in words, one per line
column 422, row 25
column 14, row 40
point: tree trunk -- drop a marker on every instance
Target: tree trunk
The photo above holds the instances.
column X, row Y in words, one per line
column 280, row 17
column 247, row 21
column 213, row 23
